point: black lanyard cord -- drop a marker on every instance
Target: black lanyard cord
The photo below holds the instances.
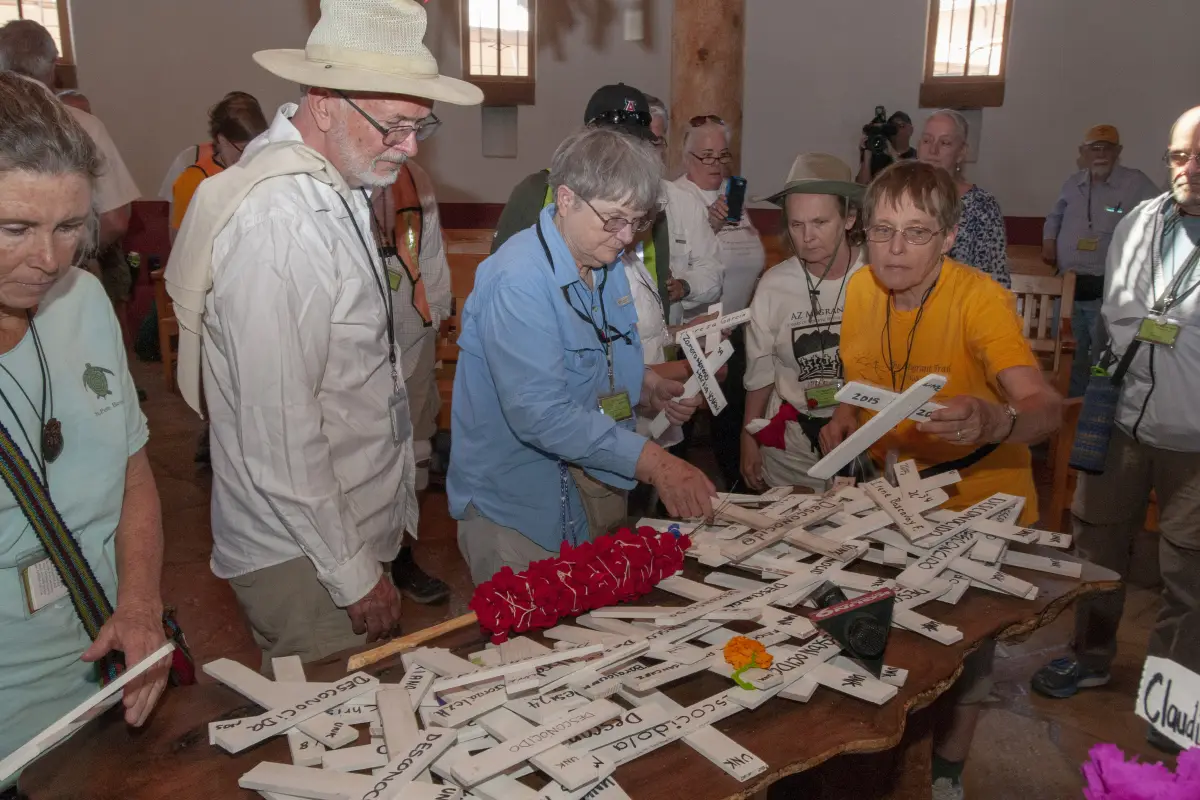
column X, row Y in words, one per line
column 602, row 333
column 912, row 336
column 380, row 277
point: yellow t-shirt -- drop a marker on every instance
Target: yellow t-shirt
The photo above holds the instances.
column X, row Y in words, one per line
column 970, row 333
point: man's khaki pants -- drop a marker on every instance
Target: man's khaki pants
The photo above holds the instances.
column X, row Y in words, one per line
column 1108, row 511
column 291, row 613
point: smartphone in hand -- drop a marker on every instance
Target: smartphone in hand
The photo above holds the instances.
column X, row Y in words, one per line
column 735, row 198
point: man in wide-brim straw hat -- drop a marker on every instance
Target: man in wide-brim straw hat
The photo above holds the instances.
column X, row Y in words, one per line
column 281, row 292
column 793, row 364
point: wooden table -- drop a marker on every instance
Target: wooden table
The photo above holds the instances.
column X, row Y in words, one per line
column 172, row 757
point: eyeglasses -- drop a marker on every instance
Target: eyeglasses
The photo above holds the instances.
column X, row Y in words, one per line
column 621, row 117
column 913, row 235
column 725, row 157
column 704, row 119
column 1180, row 158
column 1101, row 147
column 617, row 224
column 393, row 137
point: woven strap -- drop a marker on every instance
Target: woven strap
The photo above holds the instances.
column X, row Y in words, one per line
column 33, row 497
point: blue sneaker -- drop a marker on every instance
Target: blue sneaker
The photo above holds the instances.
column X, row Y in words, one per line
column 1063, row 677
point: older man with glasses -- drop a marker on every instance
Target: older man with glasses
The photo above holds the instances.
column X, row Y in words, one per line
column 1080, row 228
column 1151, row 324
column 551, row 371
column 279, row 268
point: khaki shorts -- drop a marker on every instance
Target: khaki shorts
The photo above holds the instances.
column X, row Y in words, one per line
column 291, row 613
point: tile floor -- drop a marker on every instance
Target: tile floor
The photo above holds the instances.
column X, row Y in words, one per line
column 1027, row 747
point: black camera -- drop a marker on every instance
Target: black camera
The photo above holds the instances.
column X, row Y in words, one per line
column 879, row 132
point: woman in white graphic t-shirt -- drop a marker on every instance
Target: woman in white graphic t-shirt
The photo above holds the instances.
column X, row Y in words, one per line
column 793, row 365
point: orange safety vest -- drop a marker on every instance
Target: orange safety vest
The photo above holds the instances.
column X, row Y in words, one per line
column 407, row 231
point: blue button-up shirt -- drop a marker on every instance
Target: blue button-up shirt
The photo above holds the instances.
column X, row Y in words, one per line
column 1110, row 201
column 526, row 389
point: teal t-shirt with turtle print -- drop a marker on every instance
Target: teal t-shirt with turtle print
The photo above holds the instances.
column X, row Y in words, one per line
column 94, row 399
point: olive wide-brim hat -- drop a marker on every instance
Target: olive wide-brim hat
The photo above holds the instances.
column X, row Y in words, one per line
column 818, row 173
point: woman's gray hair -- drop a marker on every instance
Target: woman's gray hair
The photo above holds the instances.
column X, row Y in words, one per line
column 28, row 49
column 659, row 109
column 694, row 129
column 960, row 122
column 610, row 165
column 39, row 135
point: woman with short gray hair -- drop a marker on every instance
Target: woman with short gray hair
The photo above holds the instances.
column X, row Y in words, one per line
column 551, row 373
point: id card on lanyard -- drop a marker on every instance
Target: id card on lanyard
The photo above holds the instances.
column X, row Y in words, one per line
column 1158, row 328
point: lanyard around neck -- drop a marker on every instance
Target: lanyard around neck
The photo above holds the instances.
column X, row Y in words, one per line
column 606, row 333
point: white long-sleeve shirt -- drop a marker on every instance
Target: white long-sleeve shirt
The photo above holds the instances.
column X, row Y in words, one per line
column 694, row 252
column 297, row 382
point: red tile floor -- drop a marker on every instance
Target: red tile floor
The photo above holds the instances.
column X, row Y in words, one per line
column 1027, row 748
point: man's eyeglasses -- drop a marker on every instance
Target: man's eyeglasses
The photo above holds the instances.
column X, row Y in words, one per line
column 1180, row 158
column 394, row 137
column 621, row 117
column 1101, row 147
column 617, row 224
column 725, row 157
column 913, row 235
column 704, row 119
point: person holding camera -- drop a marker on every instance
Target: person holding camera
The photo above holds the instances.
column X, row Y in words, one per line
column 883, row 143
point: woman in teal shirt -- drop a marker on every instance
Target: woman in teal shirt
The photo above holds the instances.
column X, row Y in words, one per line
column 68, row 405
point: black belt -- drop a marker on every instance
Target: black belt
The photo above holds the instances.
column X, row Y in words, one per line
column 1089, row 287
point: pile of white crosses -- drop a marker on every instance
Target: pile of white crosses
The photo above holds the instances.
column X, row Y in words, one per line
column 471, row 727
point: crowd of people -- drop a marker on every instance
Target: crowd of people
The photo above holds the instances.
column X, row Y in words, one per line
column 309, row 278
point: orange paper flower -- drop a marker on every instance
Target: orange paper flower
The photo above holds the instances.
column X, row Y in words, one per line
column 743, row 653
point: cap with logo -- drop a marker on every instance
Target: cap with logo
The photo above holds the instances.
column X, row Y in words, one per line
column 620, row 106
column 1102, row 133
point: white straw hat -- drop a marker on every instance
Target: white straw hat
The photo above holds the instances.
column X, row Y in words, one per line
column 370, row 46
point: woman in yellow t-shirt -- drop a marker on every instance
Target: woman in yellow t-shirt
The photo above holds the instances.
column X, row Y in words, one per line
column 232, row 123
column 915, row 312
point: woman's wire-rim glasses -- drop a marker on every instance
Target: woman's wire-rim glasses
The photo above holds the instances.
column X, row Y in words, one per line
column 913, row 235
column 617, row 224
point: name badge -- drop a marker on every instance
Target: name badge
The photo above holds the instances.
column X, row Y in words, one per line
column 616, row 406
column 823, row 396
column 394, row 279
column 41, row 583
column 1158, row 332
column 1087, row 245
column 401, row 421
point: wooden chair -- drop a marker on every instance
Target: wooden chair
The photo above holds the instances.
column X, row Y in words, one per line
column 462, row 281
column 1055, row 349
column 168, row 330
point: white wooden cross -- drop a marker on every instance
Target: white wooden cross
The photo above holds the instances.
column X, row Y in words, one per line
column 705, row 359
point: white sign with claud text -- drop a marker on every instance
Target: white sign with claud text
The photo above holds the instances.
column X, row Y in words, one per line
column 1169, row 699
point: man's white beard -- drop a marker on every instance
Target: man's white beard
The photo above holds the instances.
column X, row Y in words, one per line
column 359, row 168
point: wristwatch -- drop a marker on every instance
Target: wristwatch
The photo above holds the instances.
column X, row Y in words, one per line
column 1012, row 421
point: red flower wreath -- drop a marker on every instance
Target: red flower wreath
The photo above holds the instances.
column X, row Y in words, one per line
column 616, row 568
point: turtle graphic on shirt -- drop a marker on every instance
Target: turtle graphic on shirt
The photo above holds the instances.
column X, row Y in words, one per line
column 94, row 379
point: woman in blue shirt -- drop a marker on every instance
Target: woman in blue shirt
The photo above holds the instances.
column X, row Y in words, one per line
column 69, row 407
column 550, row 371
